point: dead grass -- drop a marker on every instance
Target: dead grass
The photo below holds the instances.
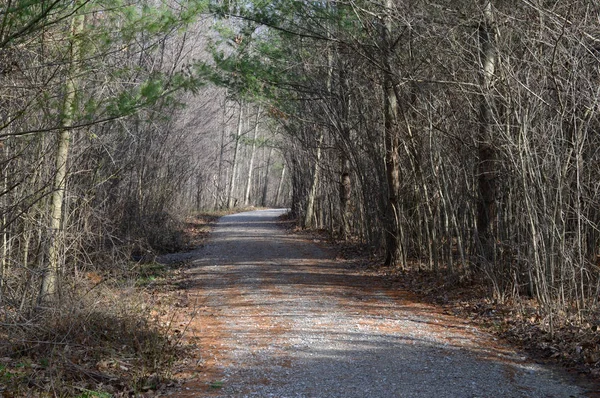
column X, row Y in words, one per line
column 108, row 337
column 100, row 341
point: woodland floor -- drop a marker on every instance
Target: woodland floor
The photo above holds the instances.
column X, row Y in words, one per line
column 263, row 312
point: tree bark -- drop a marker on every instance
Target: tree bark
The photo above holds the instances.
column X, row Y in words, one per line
column 392, row 145
column 310, row 206
column 487, row 184
column 50, row 281
column 5, row 200
column 219, row 187
column 345, row 194
column 252, row 155
column 266, row 184
column 230, row 198
column 280, row 186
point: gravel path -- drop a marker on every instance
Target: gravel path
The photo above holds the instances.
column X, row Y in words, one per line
column 277, row 316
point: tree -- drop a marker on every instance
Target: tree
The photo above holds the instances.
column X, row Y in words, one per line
column 487, row 174
column 77, row 78
column 50, row 278
column 460, row 138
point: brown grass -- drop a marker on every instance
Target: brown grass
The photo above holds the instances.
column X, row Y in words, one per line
column 108, row 336
column 98, row 340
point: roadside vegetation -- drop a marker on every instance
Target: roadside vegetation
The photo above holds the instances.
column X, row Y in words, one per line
column 455, row 142
column 101, row 342
column 108, row 338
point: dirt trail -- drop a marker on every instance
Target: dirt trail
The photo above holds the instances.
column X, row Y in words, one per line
column 277, row 316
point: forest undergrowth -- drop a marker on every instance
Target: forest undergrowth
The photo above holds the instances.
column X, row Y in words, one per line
column 107, row 338
column 111, row 338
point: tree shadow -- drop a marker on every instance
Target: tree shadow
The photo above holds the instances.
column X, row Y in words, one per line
column 347, row 333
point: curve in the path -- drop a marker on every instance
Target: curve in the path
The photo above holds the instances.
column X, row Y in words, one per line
column 280, row 317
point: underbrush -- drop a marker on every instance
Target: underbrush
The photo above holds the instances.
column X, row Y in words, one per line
column 100, row 341
column 165, row 234
column 107, row 336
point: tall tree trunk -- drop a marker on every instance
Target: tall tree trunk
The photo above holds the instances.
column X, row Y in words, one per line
column 487, row 184
column 252, row 155
column 392, row 145
column 50, row 289
column 266, row 184
column 219, row 187
column 199, row 191
column 310, row 205
column 5, row 202
column 230, row 198
column 345, row 194
column 309, row 217
column 345, row 183
column 280, row 186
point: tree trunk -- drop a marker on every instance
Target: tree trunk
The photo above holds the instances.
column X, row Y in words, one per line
column 310, row 206
column 199, row 190
column 5, row 202
column 219, row 187
column 266, row 184
column 230, row 198
column 486, row 207
column 392, row 145
column 50, row 280
column 252, row 155
column 280, row 186
column 345, row 194
column 345, row 187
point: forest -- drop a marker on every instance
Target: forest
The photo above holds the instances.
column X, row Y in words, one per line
column 459, row 138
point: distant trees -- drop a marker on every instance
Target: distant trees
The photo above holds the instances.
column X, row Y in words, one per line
column 452, row 137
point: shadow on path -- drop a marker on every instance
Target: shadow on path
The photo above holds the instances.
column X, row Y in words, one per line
column 281, row 318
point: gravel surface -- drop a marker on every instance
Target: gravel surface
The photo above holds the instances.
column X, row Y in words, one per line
column 278, row 316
